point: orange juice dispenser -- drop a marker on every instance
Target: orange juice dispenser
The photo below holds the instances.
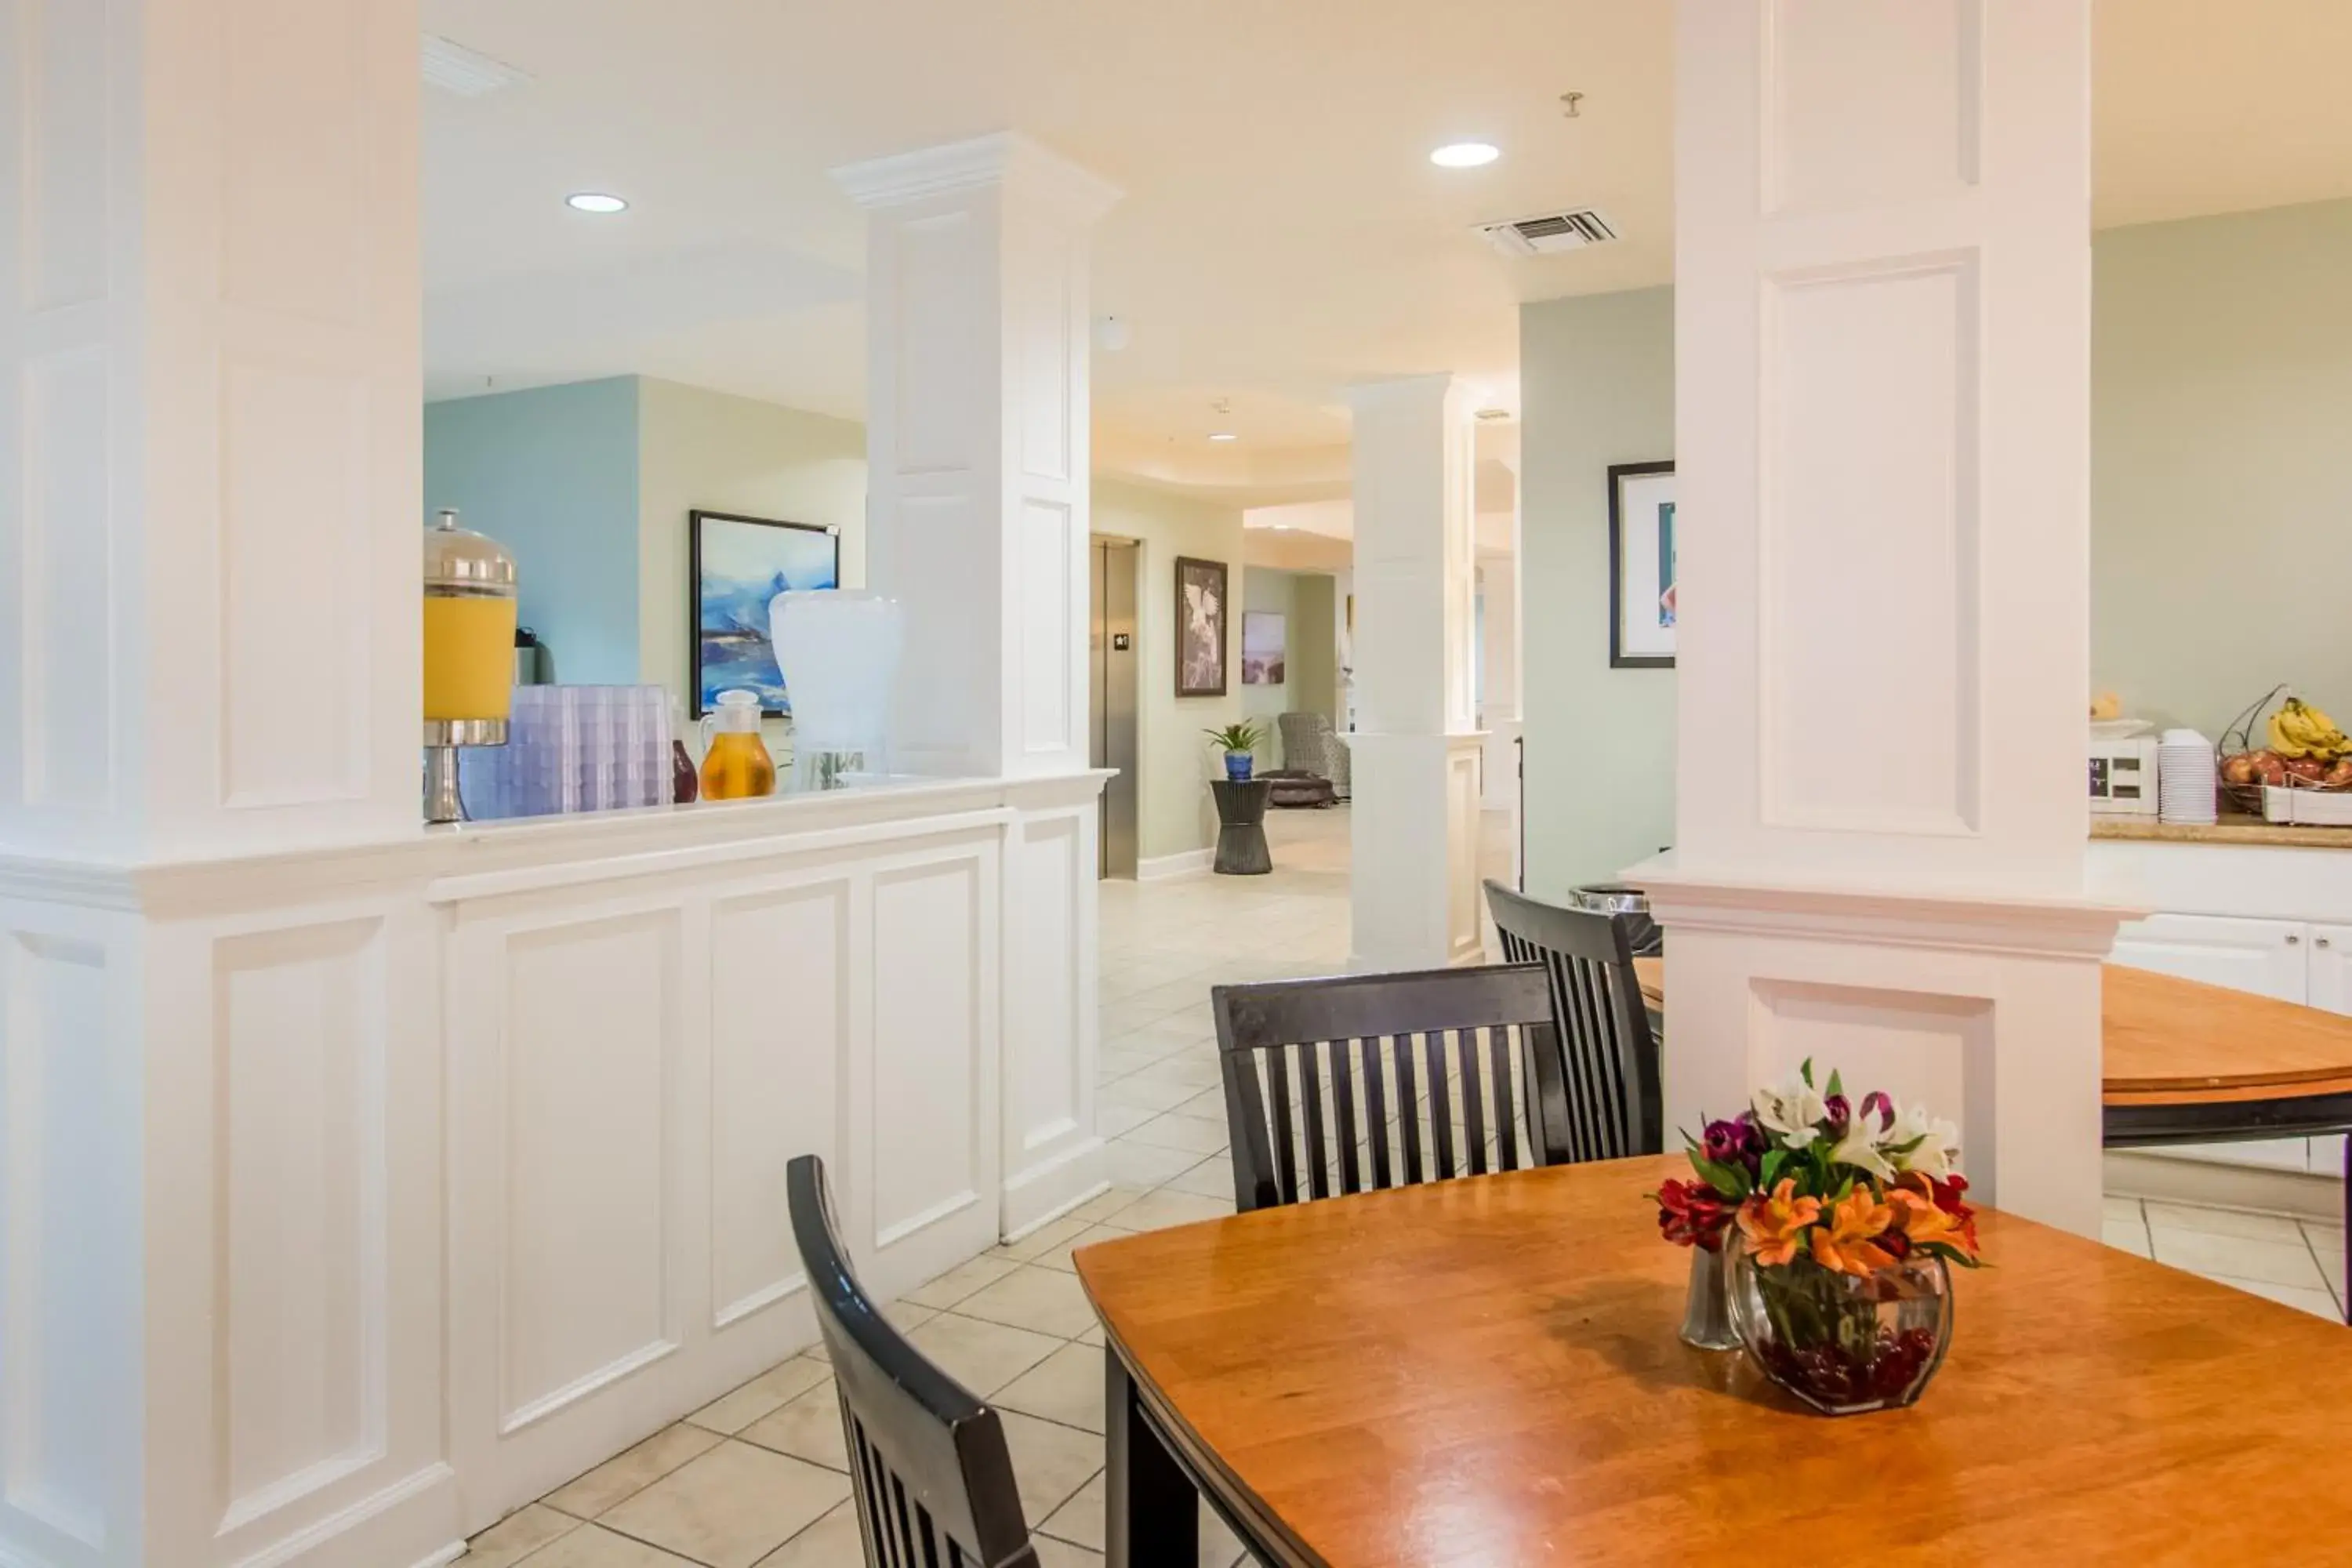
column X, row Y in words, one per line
column 469, row 632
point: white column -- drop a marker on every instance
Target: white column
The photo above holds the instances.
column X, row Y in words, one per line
column 209, row 443
column 977, row 444
column 1416, row 899
column 1882, row 327
column 1499, row 584
column 978, row 508
column 219, row 1089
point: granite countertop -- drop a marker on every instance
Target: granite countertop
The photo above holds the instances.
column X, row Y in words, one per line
column 2235, row 827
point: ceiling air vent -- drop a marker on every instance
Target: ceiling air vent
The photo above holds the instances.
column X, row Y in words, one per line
column 454, row 67
column 1550, row 234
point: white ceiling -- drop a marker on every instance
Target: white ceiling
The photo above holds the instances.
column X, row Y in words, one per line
column 1283, row 234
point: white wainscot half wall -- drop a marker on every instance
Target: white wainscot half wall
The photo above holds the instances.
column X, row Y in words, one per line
column 448, row 1169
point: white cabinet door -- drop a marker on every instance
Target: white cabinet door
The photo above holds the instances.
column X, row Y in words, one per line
column 2330, row 949
column 2266, row 957
column 2270, row 958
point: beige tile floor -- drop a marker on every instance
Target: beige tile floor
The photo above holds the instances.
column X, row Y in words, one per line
column 757, row 1478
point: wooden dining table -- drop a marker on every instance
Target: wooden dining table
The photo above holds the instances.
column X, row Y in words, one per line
column 1486, row 1374
column 2184, row 1062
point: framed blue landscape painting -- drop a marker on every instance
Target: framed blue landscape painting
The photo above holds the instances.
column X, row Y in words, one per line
column 739, row 564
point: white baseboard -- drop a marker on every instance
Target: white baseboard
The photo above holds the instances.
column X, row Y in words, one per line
column 1160, row 867
column 2138, row 1174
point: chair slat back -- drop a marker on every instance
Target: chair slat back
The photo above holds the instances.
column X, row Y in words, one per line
column 1611, row 1067
column 929, row 1465
column 1385, row 1081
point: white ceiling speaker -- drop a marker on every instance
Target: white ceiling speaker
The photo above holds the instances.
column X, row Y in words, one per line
column 1551, row 233
column 1112, row 334
column 454, row 67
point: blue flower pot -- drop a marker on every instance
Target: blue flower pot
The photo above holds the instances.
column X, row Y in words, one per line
column 1237, row 767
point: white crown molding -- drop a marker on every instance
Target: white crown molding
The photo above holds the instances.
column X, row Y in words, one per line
column 1969, row 920
column 1004, row 158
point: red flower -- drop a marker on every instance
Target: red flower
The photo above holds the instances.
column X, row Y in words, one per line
column 1691, row 1214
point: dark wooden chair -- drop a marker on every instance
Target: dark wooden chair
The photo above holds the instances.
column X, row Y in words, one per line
column 1610, row 1056
column 1386, row 1080
column 928, row 1461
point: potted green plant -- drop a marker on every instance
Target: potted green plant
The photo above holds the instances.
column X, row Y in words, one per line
column 1238, row 740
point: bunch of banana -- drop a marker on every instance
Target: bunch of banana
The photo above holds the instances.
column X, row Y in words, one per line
column 2299, row 729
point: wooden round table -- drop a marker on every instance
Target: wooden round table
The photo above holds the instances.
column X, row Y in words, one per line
column 2187, row 1063
column 1483, row 1374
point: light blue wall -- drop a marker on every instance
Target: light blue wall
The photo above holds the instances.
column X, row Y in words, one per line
column 552, row 474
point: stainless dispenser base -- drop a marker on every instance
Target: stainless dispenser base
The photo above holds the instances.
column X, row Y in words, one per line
column 442, row 738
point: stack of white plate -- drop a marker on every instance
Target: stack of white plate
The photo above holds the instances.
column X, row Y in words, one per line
column 2184, row 771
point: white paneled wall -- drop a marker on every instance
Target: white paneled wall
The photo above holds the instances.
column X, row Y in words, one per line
column 359, row 1184
column 533, row 1087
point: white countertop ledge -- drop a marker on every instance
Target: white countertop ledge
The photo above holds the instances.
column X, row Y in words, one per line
column 478, row 860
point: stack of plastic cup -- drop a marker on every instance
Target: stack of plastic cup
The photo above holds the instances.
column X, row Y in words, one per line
column 573, row 748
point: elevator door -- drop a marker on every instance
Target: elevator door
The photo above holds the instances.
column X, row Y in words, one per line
column 1110, row 666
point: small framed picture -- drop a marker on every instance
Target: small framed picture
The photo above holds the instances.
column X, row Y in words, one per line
column 1642, row 576
column 1263, row 635
column 1200, row 627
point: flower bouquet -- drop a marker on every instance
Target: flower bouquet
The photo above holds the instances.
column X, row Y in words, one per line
column 1837, row 1223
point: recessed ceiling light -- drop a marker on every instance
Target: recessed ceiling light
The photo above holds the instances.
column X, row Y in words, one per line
column 595, row 202
column 1224, row 436
column 1465, row 155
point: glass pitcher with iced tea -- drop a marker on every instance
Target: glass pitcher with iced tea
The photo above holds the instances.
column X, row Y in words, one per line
column 735, row 761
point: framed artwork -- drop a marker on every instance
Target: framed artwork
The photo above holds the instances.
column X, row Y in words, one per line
column 1263, row 646
column 1200, row 627
column 1642, row 575
column 736, row 566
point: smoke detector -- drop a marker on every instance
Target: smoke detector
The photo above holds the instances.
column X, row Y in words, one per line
column 1551, row 233
column 454, row 67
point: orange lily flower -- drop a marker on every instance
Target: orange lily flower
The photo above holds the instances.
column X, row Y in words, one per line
column 1919, row 1219
column 1844, row 1244
column 1775, row 1226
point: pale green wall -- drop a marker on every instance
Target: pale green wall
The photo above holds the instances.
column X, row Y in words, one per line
column 2220, row 497
column 1269, row 589
column 552, row 474
column 708, row 451
column 1597, row 387
column 1173, row 814
column 1315, row 645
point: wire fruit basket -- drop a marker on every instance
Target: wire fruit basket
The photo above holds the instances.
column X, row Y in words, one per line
column 2245, row 765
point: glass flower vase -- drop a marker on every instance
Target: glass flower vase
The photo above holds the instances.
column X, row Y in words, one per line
column 1707, row 1309
column 1842, row 1343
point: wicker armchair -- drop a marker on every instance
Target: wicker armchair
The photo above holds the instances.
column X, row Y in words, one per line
column 1310, row 745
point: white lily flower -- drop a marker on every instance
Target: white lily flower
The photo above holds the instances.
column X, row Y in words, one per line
column 1794, row 1110
column 1858, row 1149
column 1939, row 1142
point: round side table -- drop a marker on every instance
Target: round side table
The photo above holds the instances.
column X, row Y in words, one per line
column 1241, row 833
